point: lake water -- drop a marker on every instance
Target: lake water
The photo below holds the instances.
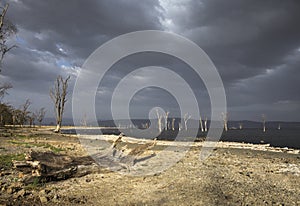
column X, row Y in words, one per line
column 278, row 138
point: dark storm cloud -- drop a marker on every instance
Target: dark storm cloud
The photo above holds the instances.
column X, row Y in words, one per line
column 243, row 38
column 54, row 37
column 81, row 26
column 254, row 44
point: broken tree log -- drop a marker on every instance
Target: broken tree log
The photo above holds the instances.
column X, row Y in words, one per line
column 48, row 166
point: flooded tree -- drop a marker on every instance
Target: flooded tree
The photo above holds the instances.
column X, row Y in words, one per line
column 263, row 116
column 201, row 124
column 205, row 124
column 159, row 120
column 241, row 125
column 186, row 119
column 166, row 120
column 58, row 95
column 225, row 120
column 173, row 124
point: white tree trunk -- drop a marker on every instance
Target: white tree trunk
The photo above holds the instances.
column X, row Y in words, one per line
column 205, row 125
column 173, row 124
column 201, row 124
column 57, row 129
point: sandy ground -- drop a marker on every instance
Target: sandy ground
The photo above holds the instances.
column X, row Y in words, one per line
column 234, row 174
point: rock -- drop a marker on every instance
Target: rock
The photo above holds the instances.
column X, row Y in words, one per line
column 10, row 190
column 55, row 197
column 43, row 199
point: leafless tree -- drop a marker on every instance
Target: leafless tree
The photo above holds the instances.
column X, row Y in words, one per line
column 6, row 30
column 201, row 124
column 241, row 125
column 40, row 114
column 3, row 89
column 31, row 118
column 185, row 119
column 159, row 120
column 225, row 120
column 205, row 124
column 179, row 126
column 84, row 121
column 173, row 124
column 58, row 95
column 263, row 116
column 166, row 120
column 23, row 113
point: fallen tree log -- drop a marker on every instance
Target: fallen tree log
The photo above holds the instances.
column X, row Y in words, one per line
column 48, row 166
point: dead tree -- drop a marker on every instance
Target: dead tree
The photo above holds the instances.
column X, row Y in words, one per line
column 31, row 119
column 241, row 125
column 185, row 119
column 84, row 121
column 3, row 90
column 173, row 124
column 6, row 30
column 225, row 120
column 166, row 120
column 40, row 114
column 201, row 124
column 264, row 122
column 159, row 120
column 23, row 113
column 58, row 95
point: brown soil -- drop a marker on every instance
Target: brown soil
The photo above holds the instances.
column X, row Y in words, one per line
column 234, row 174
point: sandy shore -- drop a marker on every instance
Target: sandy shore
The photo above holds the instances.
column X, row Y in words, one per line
column 234, row 174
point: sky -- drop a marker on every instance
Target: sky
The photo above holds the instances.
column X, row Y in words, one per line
column 254, row 45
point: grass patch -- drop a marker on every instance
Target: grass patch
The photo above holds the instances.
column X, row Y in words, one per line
column 36, row 184
column 19, row 136
column 53, row 149
column 6, row 160
column 44, row 145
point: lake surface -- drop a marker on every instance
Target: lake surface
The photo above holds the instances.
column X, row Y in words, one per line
column 289, row 137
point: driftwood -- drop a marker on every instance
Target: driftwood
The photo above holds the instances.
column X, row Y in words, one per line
column 48, row 166
column 119, row 157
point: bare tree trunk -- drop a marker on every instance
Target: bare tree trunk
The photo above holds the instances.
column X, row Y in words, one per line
column 173, row 124
column 241, row 126
column 225, row 120
column 179, row 126
column 201, row 124
column 159, row 121
column 14, row 120
column 58, row 95
column 186, row 118
column 264, row 122
column 84, row 121
column 166, row 120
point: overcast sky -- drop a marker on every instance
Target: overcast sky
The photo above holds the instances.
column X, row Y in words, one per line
column 254, row 44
